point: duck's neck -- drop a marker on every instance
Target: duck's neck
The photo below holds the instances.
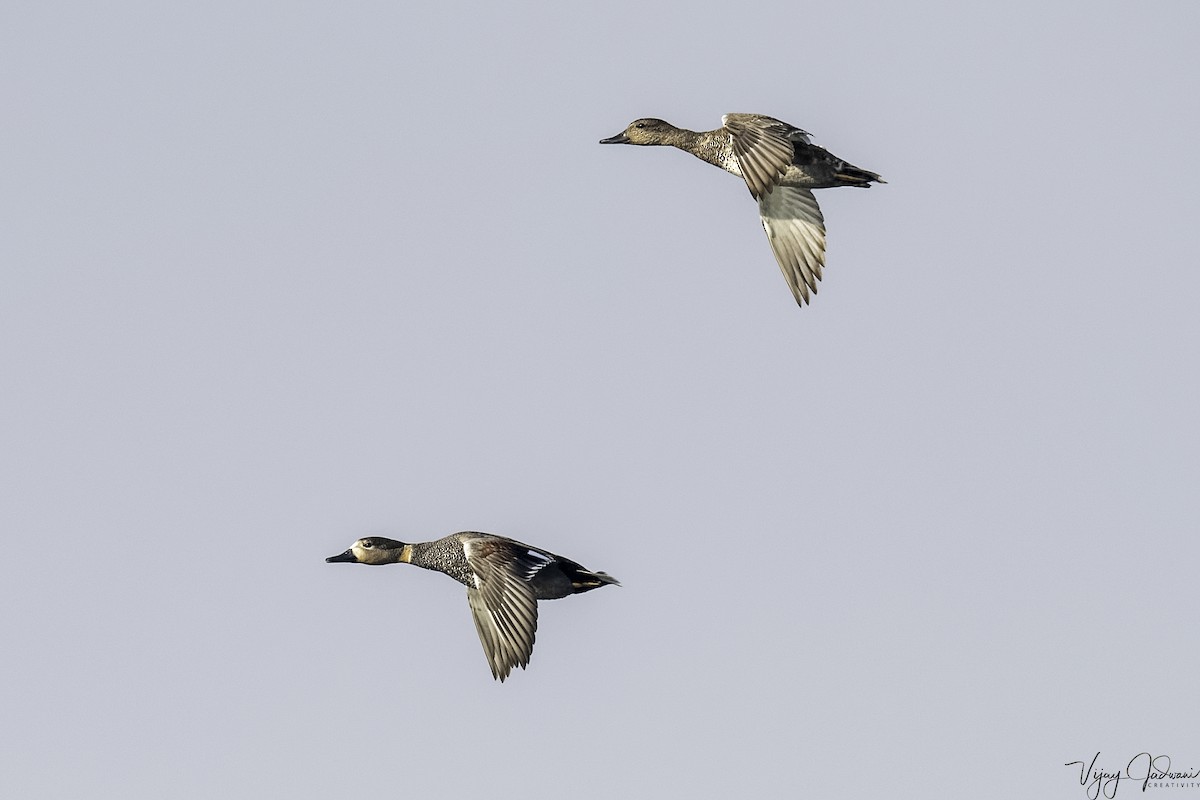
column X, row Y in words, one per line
column 714, row 147
column 681, row 138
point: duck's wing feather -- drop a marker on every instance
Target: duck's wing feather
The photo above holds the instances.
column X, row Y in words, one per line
column 763, row 147
column 502, row 601
column 796, row 231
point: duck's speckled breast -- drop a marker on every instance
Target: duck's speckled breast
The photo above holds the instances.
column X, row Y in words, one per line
column 445, row 555
column 716, row 147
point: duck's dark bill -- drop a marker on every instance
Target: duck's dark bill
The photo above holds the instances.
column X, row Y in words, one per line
column 346, row 556
column 620, row 138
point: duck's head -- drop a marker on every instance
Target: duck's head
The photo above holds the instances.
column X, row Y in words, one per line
column 643, row 131
column 374, row 550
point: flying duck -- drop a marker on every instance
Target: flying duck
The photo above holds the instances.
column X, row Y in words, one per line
column 781, row 166
column 504, row 580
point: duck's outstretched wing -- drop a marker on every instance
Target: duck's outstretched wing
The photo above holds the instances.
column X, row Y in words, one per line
column 763, row 147
column 502, row 602
column 796, row 231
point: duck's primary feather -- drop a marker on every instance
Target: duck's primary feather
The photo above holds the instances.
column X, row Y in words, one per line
column 502, row 602
column 796, row 230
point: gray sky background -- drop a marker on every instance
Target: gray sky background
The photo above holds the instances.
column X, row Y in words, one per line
column 280, row 275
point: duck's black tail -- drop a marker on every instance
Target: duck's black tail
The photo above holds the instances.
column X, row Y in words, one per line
column 850, row 175
column 583, row 580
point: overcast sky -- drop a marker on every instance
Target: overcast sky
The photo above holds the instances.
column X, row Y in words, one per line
column 279, row 275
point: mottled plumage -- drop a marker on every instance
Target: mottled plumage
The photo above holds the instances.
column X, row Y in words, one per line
column 781, row 166
column 504, row 580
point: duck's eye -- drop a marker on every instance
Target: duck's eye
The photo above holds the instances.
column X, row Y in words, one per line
column 367, row 544
column 639, row 124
